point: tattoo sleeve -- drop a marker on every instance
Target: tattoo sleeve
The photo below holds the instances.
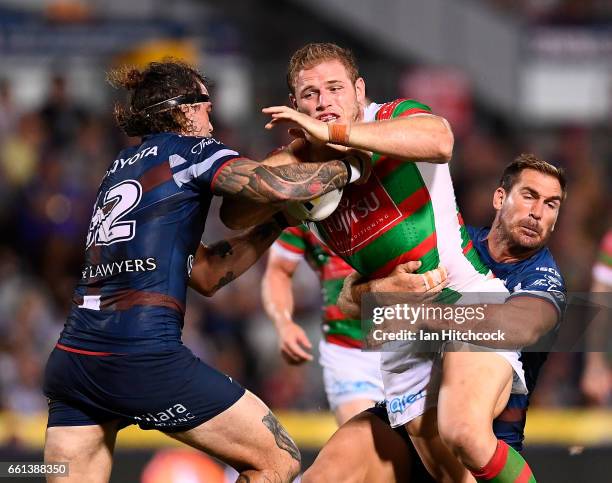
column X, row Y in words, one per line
column 217, row 265
column 282, row 438
column 268, row 184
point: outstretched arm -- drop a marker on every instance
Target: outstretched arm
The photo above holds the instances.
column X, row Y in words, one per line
column 523, row 319
column 218, row 264
column 419, row 137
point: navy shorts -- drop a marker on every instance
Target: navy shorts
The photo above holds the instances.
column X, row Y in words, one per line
column 169, row 391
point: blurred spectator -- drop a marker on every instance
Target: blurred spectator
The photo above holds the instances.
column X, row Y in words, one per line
column 8, row 110
column 62, row 117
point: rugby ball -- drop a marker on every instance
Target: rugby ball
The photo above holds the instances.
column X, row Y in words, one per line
column 316, row 209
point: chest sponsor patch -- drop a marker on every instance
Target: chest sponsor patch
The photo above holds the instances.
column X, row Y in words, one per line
column 365, row 212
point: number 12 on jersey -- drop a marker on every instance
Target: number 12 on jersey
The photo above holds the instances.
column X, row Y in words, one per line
column 107, row 225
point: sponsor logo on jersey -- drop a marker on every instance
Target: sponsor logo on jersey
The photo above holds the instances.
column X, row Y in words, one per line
column 549, row 270
column 123, row 266
column 122, row 163
column 198, row 148
column 364, row 212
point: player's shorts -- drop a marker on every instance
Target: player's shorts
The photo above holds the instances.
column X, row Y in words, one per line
column 350, row 374
column 169, row 391
column 412, row 387
column 412, row 380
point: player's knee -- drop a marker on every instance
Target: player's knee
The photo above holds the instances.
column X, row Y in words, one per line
column 56, row 450
column 462, row 437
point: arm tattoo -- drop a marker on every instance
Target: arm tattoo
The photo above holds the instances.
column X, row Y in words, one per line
column 282, row 438
column 267, row 184
column 223, row 281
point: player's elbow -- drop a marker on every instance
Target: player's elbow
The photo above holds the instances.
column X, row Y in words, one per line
column 202, row 288
column 446, row 143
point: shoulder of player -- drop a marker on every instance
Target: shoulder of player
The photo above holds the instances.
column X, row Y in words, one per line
column 541, row 271
column 400, row 108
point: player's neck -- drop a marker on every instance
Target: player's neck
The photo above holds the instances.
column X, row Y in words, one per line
column 503, row 250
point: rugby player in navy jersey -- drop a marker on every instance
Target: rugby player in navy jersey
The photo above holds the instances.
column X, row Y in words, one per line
column 119, row 359
column 485, row 420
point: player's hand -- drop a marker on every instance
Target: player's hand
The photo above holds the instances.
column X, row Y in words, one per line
column 294, row 345
column 315, row 131
column 403, row 285
column 403, row 279
column 347, row 305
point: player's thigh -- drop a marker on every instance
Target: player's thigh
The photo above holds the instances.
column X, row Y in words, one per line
column 246, row 436
column 349, row 409
column 365, row 449
column 88, row 451
column 475, row 385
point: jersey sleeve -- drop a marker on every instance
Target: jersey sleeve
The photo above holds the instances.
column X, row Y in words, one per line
column 195, row 162
column 291, row 244
column 401, row 108
column 544, row 282
column 602, row 271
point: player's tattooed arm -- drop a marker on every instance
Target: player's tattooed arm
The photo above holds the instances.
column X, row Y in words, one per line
column 282, row 438
column 260, row 183
column 217, row 265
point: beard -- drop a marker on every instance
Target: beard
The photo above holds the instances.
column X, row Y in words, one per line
column 524, row 235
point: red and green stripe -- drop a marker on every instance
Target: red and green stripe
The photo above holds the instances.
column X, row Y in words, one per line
column 468, row 248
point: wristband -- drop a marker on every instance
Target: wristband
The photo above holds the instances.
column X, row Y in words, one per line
column 338, row 133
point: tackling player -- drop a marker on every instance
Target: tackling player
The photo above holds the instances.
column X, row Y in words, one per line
column 119, row 359
column 528, row 269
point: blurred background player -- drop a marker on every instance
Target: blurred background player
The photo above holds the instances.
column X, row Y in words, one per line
column 352, row 377
column 596, row 381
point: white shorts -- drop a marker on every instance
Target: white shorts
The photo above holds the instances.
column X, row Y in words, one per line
column 412, row 380
column 350, row 374
column 412, row 387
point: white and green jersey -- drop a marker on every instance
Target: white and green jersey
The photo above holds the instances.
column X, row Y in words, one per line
column 405, row 211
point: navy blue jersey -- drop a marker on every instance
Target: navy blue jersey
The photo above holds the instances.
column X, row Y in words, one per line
column 146, row 225
column 537, row 276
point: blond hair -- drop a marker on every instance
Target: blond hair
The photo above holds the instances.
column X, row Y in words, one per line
column 313, row 54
